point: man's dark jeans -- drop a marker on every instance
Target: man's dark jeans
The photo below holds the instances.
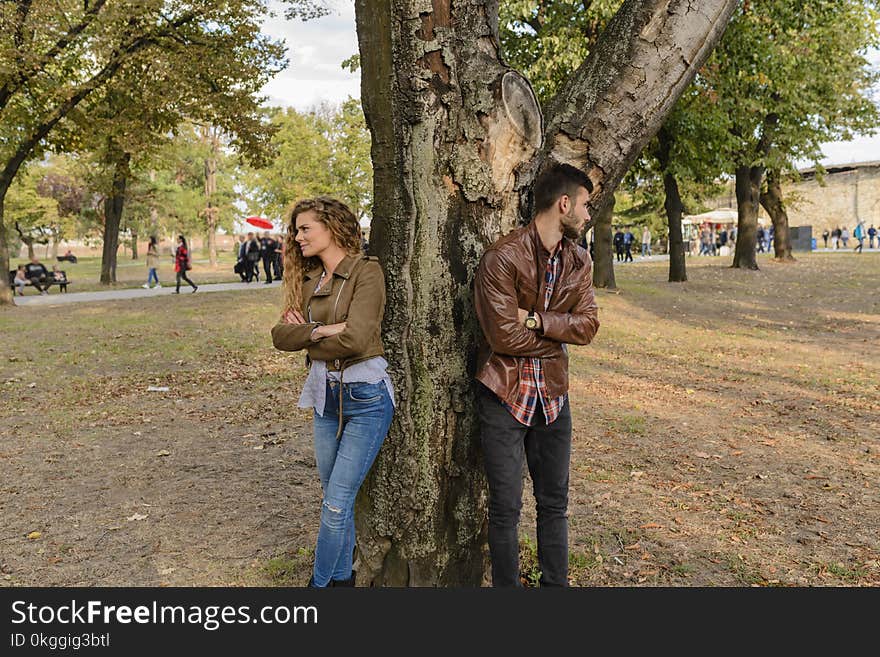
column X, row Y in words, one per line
column 547, row 450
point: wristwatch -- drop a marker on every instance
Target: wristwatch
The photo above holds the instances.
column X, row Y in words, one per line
column 531, row 321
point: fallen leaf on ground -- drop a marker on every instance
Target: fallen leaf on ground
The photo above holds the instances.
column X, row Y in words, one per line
column 651, row 525
column 163, row 452
column 35, row 535
column 137, row 516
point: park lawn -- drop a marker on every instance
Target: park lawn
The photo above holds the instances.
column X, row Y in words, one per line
column 725, row 434
column 85, row 275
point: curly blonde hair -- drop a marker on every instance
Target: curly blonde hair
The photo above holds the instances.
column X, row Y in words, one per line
column 346, row 233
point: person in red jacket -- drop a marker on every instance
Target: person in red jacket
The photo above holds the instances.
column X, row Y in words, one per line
column 182, row 263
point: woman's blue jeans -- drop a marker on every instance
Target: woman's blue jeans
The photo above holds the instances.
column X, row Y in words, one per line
column 152, row 275
column 343, row 463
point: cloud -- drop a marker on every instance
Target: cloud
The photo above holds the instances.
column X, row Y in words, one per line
column 316, row 50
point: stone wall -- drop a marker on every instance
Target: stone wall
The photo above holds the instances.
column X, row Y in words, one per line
column 847, row 193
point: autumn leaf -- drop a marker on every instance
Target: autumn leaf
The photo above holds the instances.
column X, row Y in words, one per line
column 34, row 535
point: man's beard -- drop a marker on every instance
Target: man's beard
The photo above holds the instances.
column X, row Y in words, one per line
column 568, row 230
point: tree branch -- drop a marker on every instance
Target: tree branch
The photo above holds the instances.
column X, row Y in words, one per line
column 22, row 78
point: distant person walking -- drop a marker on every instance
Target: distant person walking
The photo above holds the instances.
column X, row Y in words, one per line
column 859, row 235
column 618, row 244
column 251, row 258
column 844, row 237
column 182, row 264
column 760, row 239
column 268, row 246
column 152, row 262
column 628, row 240
column 825, row 235
column 872, row 233
column 646, row 242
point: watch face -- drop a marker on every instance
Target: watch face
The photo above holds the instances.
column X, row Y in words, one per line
column 531, row 322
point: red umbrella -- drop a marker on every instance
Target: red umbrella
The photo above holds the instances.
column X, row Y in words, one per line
column 259, row 222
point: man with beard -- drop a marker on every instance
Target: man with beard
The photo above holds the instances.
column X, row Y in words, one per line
column 533, row 294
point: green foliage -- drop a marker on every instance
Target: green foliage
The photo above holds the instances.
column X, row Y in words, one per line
column 546, row 40
column 791, row 75
column 323, row 151
column 33, row 215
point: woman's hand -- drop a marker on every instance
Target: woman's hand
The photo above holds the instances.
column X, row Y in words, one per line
column 326, row 331
column 293, row 317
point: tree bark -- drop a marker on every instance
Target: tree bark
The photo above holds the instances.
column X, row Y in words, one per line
column 457, row 138
column 603, row 267
column 134, row 245
column 211, row 135
column 617, row 100
column 673, row 206
column 772, row 202
column 6, row 298
column 748, row 193
column 113, row 205
column 674, row 210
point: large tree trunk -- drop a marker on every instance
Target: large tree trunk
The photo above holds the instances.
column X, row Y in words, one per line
column 748, row 193
column 674, row 210
column 457, row 138
column 772, row 202
column 673, row 206
column 113, row 206
column 603, row 267
column 6, row 297
column 211, row 134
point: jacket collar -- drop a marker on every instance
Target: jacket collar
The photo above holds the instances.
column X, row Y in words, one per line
column 567, row 247
column 343, row 269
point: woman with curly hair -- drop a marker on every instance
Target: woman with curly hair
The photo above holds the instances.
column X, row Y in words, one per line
column 334, row 299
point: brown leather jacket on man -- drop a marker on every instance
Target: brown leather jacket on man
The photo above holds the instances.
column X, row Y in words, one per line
column 356, row 296
column 506, row 280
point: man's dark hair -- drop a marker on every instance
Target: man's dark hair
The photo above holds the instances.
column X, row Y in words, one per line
column 559, row 179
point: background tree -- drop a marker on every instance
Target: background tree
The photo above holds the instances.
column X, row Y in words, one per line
column 322, row 151
column 55, row 55
column 457, row 138
column 790, row 75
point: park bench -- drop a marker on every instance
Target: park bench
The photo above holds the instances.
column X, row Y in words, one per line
column 61, row 282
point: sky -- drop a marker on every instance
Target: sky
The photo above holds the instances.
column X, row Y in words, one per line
column 317, row 48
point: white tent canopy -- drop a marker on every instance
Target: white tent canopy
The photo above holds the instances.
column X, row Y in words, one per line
column 719, row 215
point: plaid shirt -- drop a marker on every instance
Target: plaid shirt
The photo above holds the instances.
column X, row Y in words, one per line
column 532, row 386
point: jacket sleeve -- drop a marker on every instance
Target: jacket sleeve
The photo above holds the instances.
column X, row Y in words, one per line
column 496, row 305
column 364, row 319
column 292, row 337
column 580, row 325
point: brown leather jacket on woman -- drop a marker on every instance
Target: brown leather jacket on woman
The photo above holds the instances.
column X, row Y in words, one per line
column 356, row 296
column 506, row 280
